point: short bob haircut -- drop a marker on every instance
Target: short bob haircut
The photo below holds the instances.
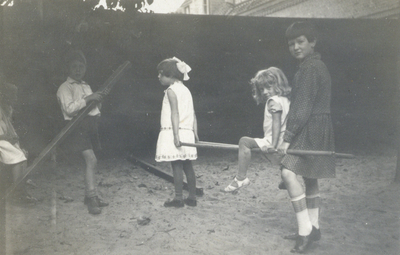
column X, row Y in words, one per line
column 301, row 28
column 271, row 77
column 169, row 69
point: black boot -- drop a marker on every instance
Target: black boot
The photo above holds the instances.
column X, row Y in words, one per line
column 174, row 203
column 92, row 205
column 304, row 242
column 316, row 235
column 190, row 202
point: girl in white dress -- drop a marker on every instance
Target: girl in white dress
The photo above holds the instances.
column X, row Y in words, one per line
column 269, row 86
column 178, row 124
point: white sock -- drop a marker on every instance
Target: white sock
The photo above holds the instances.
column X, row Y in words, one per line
column 303, row 219
column 314, row 213
column 313, row 203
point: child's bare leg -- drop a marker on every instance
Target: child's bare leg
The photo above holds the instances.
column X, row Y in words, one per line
column 177, row 169
column 244, row 156
column 298, row 199
column 18, row 171
column 311, row 186
column 91, row 199
column 293, row 186
column 20, row 193
column 191, row 178
column 306, row 231
column 91, row 163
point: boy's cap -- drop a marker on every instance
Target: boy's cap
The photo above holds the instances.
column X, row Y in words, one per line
column 73, row 55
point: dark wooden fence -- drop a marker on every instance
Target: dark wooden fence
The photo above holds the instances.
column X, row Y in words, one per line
column 224, row 53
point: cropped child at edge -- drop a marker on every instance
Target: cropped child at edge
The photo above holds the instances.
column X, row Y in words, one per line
column 12, row 156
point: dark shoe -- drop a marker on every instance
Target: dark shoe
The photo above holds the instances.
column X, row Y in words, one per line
column 92, row 205
column 190, row 202
column 316, row 235
column 282, row 185
column 174, row 203
column 100, row 202
column 304, row 242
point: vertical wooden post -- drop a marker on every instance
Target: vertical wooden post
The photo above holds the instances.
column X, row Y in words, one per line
column 397, row 175
column 3, row 188
column 3, row 180
column 54, row 211
column 397, row 117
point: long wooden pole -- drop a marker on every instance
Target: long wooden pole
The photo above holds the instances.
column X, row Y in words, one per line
column 104, row 89
column 226, row 146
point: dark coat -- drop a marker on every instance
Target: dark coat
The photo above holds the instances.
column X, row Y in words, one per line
column 309, row 124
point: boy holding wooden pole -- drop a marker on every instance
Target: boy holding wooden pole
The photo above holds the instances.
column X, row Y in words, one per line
column 73, row 95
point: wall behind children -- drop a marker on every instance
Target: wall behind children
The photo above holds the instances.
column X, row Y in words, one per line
column 224, row 53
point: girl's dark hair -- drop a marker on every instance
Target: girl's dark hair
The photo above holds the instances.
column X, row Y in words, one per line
column 301, row 28
column 169, row 69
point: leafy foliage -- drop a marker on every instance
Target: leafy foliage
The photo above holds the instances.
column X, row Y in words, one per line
column 128, row 5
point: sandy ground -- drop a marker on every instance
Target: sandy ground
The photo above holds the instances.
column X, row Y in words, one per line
column 359, row 215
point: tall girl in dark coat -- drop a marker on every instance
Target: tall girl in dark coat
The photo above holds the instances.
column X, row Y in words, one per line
column 309, row 127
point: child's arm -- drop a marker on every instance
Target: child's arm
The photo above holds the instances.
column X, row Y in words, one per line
column 276, row 128
column 97, row 96
column 302, row 106
column 173, row 101
column 196, row 136
column 70, row 106
column 276, row 112
column 283, row 148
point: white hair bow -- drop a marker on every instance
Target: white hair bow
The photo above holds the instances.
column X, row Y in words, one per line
column 183, row 68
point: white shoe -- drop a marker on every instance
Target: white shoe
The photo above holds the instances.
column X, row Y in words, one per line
column 238, row 185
